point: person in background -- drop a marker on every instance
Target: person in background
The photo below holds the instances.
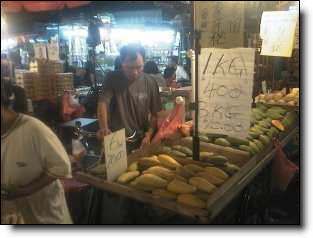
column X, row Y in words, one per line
column 170, row 77
column 117, row 64
column 130, row 99
column 90, row 69
column 32, row 162
column 5, row 66
column 152, row 68
column 19, row 104
column 181, row 74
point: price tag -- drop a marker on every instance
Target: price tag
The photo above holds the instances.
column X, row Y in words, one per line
column 115, row 154
column 277, row 31
column 225, row 91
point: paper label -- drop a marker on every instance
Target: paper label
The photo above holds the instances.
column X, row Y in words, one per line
column 277, row 31
column 115, row 154
column 225, row 90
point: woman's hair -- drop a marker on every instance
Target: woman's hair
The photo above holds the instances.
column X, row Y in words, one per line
column 169, row 72
column 151, row 68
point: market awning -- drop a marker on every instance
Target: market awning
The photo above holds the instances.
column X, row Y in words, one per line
column 39, row 6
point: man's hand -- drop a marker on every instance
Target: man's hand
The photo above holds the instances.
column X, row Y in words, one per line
column 102, row 133
column 146, row 141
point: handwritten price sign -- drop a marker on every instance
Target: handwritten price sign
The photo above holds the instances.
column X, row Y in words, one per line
column 115, row 154
column 220, row 27
column 278, row 29
column 225, row 91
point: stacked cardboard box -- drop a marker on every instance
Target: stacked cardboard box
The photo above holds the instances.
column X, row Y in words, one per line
column 46, row 67
column 45, row 80
column 62, row 82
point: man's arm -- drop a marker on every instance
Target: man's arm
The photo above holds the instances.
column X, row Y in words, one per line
column 35, row 186
column 155, row 107
column 103, row 120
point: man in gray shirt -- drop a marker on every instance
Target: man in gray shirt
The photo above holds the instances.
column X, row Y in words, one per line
column 130, row 99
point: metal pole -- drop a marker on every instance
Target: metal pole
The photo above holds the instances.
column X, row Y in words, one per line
column 196, row 47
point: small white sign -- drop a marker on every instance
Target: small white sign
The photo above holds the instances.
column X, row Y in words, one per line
column 40, row 51
column 53, row 51
column 225, row 91
column 264, row 87
column 277, row 31
column 115, row 154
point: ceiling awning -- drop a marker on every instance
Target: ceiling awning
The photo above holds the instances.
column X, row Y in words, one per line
column 39, row 6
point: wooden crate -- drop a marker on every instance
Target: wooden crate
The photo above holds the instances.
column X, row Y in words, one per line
column 46, row 67
column 200, row 215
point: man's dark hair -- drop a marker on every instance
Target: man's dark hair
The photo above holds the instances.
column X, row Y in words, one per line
column 131, row 51
column 151, row 68
column 169, row 72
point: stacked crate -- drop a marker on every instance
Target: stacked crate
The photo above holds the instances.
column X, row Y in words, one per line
column 62, row 82
column 25, row 79
column 46, row 67
column 42, row 81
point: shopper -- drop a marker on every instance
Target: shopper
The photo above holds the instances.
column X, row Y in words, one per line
column 19, row 104
column 170, row 77
column 129, row 97
column 152, row 68
column 32, row 162
column 181, row 74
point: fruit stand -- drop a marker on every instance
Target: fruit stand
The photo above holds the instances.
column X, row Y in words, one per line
column 185, row 194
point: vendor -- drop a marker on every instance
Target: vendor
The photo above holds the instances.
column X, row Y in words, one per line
column 130, row 99
column 181, row 74
column 170, row 77
column 32, row 162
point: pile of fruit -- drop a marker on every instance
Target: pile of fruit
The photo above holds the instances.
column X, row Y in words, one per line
column 266, row 123
column 280, row 98
column 164, row 177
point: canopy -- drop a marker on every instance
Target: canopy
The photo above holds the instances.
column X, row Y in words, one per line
column 39, row 6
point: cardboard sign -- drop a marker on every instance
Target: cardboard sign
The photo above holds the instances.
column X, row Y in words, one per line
column 115, row 154
column 296, row 40
column 219, row 26
column 40, row 51
column 53, row 51
column 264, row 87
column 225, row 91
column 278, row 32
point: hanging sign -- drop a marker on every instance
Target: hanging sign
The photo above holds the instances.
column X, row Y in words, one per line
column 219, row 26
column 277, row 31
column 225, row 90
column 115, row 154
column 53, row 51
column 40, row 51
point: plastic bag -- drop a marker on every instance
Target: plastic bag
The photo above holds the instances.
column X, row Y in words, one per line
column 70, row 108
column 170, row 125
column 283, row 169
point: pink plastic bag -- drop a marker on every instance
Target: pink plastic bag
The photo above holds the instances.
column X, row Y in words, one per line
column 283, row 169
column 70, row 108
column 170, row 125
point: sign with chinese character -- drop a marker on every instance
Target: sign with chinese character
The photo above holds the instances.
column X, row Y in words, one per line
column 115, row 154
column 221, row 23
